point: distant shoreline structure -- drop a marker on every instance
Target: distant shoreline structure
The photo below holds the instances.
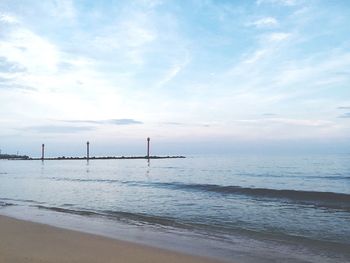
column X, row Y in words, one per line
column 110, row 158
column 87, row 157
column 27, row 158
column 14, row 157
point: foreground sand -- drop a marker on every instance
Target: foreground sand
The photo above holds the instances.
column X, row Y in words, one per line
column 22, row 241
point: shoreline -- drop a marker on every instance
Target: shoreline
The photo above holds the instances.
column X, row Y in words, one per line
column 171, row 239
column 243, row 249
column 26, row 241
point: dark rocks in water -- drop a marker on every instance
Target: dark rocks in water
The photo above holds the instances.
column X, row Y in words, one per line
column 14, row 157
column 110, row 157
column 25, row 157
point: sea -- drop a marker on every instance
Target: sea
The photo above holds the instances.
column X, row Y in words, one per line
column 237, row 208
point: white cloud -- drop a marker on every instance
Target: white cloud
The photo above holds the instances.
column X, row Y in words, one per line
column 63, row 9
column 285, row 128
column 301, row 122
column 8, row 19
column 29, row 50
column 173, row 71
column 316, row 72
column 264, row 22
column 151, row 3
column 65, row 83
column 277, row 37
column 137, row 35
column 282, row 2
column 128, row 37
column 256, row 56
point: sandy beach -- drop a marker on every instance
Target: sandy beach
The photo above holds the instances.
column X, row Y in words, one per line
column 23, row 241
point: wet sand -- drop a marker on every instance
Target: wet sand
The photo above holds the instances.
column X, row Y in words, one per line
column 24, row 241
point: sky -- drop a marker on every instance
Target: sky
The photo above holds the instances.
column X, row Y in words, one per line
column 197, row 76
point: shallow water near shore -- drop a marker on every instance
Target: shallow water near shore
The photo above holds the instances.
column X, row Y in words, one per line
column 240, row 208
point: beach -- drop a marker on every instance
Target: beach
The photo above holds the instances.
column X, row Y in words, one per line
column 175, row 131
column 24, row 241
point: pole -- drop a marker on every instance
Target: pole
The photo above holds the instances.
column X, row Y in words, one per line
column 42, row 152
column 148, row 139
column 87, row 150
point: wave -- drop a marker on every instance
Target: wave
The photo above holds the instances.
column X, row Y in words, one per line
column 141, row 219
column 323, row 199
column 298, row 175
column 4, row 204
column 136, row 218
column 340, row 177
column 214, row 229
column 86, row 180
column 329, row 199
column 69, row 211
column 20, row 200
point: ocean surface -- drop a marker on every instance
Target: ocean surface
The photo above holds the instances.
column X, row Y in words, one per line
column 242, row 208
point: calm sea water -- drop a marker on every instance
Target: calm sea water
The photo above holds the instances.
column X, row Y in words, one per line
column 271, row 208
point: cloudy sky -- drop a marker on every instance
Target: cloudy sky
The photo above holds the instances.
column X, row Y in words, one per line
column 197, row 76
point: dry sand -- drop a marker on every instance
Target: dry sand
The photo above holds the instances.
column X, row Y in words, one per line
column 23, row 241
